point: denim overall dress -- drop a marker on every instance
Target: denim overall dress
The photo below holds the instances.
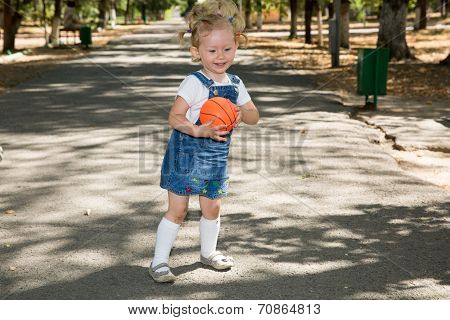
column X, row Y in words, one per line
column 198, row 166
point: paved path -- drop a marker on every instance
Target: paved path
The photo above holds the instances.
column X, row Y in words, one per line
column 316, row 209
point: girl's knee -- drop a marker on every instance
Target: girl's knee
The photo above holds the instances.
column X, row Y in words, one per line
column 177, row 214
column 178, row 207
column 210, row 208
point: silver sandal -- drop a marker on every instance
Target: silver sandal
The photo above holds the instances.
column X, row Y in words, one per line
column 161, row 276
column 218, row 264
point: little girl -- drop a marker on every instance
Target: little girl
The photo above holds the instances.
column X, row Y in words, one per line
column 195, row 162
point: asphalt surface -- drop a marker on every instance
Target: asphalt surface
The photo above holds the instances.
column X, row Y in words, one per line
column 317, row 209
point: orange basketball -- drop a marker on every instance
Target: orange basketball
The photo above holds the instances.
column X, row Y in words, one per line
column 221, row 110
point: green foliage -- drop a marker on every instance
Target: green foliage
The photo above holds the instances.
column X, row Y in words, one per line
column 33, row 13
column 155, row 8
column 412, row 4
column 88, row 10
column 358, row 6
column 268, row 5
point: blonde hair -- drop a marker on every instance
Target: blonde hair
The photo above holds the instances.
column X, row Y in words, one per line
column 212, row 14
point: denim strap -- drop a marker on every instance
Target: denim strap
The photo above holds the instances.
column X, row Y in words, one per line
column 233, row 78
column 206, row 82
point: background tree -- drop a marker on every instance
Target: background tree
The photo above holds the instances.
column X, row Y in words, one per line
column 421, row 15
column 103, row 7
column 281, row 10
column 44, row 21
column 320, row 4
column 309, row 6
column 294, row 15
column 127, row 11
column 345, row 24
column 358, row 7
column 56, row 21
column 444, row 6
column 392, row 30
column 186, row 6
column 113, row 14
column 156, row 9
column 259, row 18
column 12, row 18
column 330, row 9
column 248, row 14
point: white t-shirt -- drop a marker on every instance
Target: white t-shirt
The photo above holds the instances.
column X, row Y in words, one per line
column 195, row 93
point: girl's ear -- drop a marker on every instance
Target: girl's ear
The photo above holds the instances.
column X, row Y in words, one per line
column 194, row 53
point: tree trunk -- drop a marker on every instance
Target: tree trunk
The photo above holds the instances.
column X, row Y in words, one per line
column 392, row 31
column 446, row 61
column 248, row 14
column 319, row 23
column 423, row 14
column 444, row 4
column 144, row 12
column 127, row 12
column 113, row 15
column 281, row 11
column 133, row 12
column 44, row 19
column 309, row 5
column 56, row 21
column 102, row 14
column 259, row 18
column 345, row 24
column 11, row 23
column 294, row 15
column 190, row 4
column 330, row 6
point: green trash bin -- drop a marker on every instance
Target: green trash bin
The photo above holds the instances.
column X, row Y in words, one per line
column 86, row 36
column 372, row 72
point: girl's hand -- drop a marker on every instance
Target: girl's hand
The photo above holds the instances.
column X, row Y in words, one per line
column 239, row 116
column 215, row 133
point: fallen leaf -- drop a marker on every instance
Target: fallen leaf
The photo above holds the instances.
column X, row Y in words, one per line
column 87, row 212
column 12, row 268
column 11, row 212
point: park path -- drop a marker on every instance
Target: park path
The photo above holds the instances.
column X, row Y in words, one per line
column 317, row 210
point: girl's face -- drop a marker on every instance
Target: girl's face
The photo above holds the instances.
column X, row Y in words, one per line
column 216, row 51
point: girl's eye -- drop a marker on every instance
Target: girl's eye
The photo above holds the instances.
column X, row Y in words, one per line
column 227, row 49
column 212, row 51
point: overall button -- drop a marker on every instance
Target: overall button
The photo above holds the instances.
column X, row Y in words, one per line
column 215, row 92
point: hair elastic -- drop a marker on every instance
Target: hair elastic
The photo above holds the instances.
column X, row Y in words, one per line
column 189, row 30
column 231, row 19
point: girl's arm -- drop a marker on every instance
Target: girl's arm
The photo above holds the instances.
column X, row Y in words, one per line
column 248, row 113
column 178, row 120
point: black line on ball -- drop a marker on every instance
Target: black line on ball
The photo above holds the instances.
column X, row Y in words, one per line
column 213, row 115
column 223, row 110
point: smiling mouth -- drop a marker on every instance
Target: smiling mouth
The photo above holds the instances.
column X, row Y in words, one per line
column 220, row 64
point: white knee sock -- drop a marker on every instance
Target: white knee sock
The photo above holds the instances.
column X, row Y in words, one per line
column 209, row 232
column 165, row 237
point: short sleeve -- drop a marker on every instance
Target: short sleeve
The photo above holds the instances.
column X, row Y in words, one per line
column 243, row 97
column 188, row 90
